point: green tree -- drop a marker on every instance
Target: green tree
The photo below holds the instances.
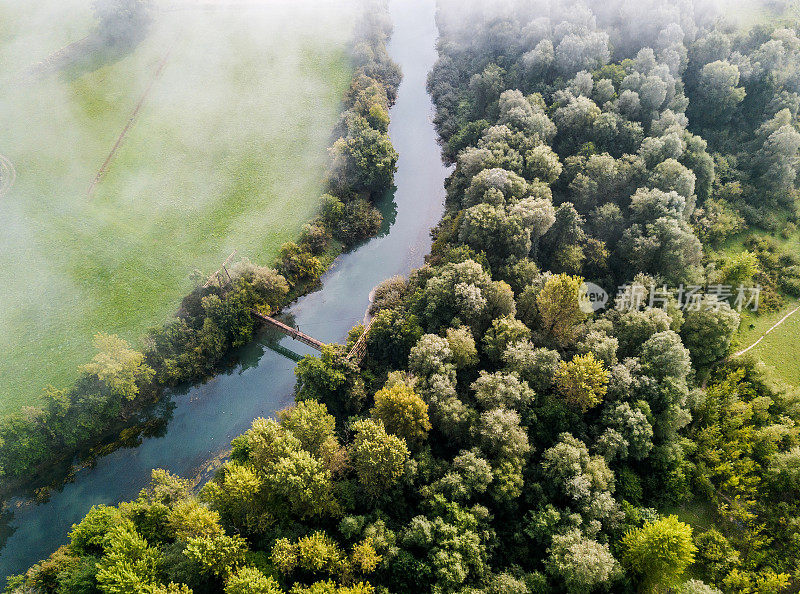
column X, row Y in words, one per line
column 270, row 288
column 739, row 269
column 363, row 161
column 664, row 356
column 462, row 346
column 490, row 229
column 671, row 176
column 303, row 484
column 582, row 563
column 632, row 424
column 235, row 495
column 698, row 587
column 402, row 412
column 444, row 548
column 249, row 580
column 535, row 366
column 582, row 382
column 189, row 519
column 470, row 475
column 309, row 422
column 394, row 333
column 128, row 563
column 377, row 457
column 298, row 265
column 501, row 390
column 559, row 308
column 659, row 552
column 584, row 480
column 487, row 87
column 666, row 247
column 316, row 554
column 708, row 331
column 431, row 355
column 23, row 443
column 503, row 332
column 463, row 291
column 118, row 366
column 718, row 92
column 219, row 555
column 88, row 536
column 333, row 379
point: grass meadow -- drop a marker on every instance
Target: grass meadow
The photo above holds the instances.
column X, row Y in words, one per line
column 226, row 153
column 778, row 349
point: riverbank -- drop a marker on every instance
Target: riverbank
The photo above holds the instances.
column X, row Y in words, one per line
column 205, row 418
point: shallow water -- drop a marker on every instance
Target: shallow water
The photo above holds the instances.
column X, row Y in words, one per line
column 208, row 416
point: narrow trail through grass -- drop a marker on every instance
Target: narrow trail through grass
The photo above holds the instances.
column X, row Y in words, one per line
column 763, row 336
column 8, row 175
column 131, row 120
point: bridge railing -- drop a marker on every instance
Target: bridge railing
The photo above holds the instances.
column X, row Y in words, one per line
column 289, row 331
column 356, row 353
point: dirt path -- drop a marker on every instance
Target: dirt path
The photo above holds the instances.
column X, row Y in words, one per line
column 763, row 336
column 104, row 167
column 8, row 175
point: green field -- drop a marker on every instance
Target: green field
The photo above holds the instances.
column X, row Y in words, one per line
column 227, row 153
column 747, row 13
column 778, row 348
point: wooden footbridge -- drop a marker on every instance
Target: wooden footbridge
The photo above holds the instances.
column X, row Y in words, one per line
column 356, row 353
column 289, row 331
column 360, row 347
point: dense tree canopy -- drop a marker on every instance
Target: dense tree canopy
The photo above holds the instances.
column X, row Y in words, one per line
column 506, row 431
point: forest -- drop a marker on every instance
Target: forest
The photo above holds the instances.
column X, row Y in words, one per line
column 505, row 433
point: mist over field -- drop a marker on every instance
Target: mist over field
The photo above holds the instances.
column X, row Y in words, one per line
column 226, row 152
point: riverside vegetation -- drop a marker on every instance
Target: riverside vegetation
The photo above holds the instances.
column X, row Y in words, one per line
column 215, row 317
column 498, row 437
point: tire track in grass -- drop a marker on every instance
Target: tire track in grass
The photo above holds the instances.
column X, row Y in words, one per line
column 121, row 138
column 763, row 336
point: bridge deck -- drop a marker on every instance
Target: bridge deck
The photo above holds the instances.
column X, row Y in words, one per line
column 289, row 331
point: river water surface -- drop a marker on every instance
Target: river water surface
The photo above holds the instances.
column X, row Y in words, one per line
column 208, row 416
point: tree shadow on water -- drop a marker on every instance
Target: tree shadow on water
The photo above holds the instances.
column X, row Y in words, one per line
column 151, row 422
column 387, row 206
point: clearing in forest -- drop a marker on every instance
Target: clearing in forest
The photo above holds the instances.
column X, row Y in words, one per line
column 777, row 348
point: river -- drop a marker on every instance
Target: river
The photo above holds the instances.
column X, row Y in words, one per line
column 208, row 416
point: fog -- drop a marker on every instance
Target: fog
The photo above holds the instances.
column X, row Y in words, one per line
column 227, row 152
column 633, row 21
